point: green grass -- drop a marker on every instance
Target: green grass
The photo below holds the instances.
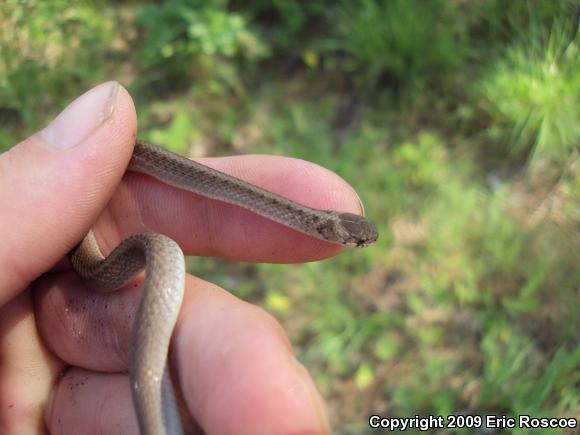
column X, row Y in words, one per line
column 47, row 53
column 533, row 92
column 405, row 43
column 194, row 42
column 456, row 123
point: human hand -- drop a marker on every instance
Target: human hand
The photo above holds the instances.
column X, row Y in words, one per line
column 63, row 348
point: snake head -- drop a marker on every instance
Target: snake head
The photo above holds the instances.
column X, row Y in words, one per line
column 349, row 229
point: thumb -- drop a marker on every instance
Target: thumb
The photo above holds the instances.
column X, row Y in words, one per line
column 54, row 184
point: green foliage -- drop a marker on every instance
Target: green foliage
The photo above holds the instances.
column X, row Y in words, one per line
column 534, row 92
column 408, row 42
column 195, row 40
column 48, row 50
column 501, row 20
column 287, row 23
column 469, row 300
column 177, row 134
column 517, row 379
column 422, row 163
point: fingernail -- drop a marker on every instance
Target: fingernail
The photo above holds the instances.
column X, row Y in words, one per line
column 82, row 117
column 360, row 203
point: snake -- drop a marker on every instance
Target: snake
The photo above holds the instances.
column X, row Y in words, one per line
column 153, row 394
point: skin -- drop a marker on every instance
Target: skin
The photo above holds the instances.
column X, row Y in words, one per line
column 63, row 348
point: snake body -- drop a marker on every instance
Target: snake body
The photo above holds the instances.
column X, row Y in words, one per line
column 153, row 393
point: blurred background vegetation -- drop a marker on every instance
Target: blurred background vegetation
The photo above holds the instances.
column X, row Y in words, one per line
column 458, row 122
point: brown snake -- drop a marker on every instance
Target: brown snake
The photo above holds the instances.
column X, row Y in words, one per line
column 153, row 394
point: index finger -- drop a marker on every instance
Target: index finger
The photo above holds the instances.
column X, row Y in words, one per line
column 203, row 226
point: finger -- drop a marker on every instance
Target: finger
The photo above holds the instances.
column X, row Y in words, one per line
column 84, row 327
column 91, row 330
column 98, row 403
column 234, row 358
column 212, row 228
column 227, row 354
column 27, row 369
column 55, row 183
